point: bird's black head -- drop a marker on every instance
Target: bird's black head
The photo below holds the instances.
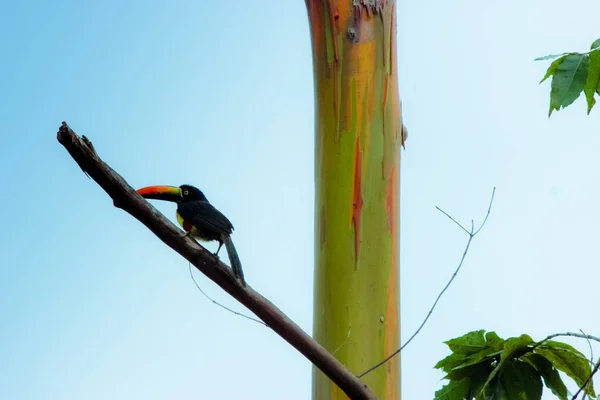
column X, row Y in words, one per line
column 191, row 193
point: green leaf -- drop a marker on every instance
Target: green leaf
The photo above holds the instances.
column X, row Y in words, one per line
column 552, row 379
column 475, row 341
column 521, row 381
column 484, row 367
column 513, row 347
column 454, row 364
column 552, row 68
column 549, row 57
column 467, row 344
column 471, row 349
column 567, row 359
column 454, row 390
column 516, row 344
column 450, row 362
column 486, row 356
column 478, row 375
column 568, row 81
column 495, row 390
column 595, row 45
column 563, row 346
column 493, row 340
column 593, row 78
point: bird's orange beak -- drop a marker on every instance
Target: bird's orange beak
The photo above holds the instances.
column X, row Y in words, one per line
column 161, row 192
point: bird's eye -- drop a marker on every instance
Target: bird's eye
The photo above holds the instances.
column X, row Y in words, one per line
column 185, row 192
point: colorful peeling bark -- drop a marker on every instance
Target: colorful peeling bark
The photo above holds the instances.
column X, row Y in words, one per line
column 358, row 134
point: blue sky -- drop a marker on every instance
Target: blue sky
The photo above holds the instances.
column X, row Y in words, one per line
column 93, row 306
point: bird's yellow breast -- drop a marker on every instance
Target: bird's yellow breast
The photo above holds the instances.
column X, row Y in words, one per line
column 188, row 227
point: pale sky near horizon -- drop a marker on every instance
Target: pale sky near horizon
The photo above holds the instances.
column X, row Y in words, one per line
column 93, row 306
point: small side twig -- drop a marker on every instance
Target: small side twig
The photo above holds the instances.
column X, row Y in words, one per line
column 589, row 342
column 571, row 334
column 343, row 344
column 219, row 304
column 472, row 233
column 587, row 381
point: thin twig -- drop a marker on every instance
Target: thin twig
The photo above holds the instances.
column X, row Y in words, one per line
column 589, row 342
column 343, row 344
column 219, row 304
column 571, row 334
column 472, row 233
column 455, row 221
column 587, row 381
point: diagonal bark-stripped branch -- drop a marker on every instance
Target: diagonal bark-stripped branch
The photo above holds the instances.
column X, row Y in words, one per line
column 125, row 197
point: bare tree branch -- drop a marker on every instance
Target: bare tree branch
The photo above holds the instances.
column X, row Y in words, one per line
column 472, row 233
column 125, row 197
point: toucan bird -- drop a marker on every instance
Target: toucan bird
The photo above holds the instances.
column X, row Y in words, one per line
column 199, row 218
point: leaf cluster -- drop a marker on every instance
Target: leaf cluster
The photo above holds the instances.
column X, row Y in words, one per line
column 483, row 366
column 573, row 73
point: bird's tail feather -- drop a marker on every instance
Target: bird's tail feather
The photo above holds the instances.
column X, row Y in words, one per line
column 234, row 259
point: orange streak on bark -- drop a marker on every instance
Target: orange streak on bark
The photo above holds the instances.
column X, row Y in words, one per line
column 362, row 72
column 390, row 199
column 391, row 339
column 365, row 54
column 343, row 9
column 335, row 95
column 333, row 18
column 366, row 145
column 370, row 108
column 314, row 18
column 383, row 57
column 391, row 41
column 357, row 200
column 384, row 101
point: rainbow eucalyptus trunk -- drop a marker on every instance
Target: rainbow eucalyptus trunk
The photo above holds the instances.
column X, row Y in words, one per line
column 358, row 133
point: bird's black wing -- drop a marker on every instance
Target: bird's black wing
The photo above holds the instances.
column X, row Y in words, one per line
column 205, row 217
